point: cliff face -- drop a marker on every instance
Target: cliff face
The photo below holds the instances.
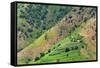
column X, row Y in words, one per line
column 75, row 31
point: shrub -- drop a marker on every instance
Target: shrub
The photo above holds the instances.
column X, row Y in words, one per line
column 67, row 49
column 59, row 44
column 76, row 47
column 37, row 58
column 75, row 37
column 70, row 16
column 85, row 19
column 74, row 10
column 54, row 47
column 93, row 13
column 66, row 54
column 29, row 30
column 93, row 37
column 58, row 60
column 42, row 54
column 46, row 38
column 79, row 12
column 72, row 48
column 27, row 59
column 80, row 8
column 82, row 46
column 49, row 51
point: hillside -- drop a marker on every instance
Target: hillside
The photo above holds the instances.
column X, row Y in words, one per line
column 66, row 40
column 34, row 20
column 75, row 47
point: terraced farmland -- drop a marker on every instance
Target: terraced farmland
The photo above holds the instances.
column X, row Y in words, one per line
column 51, row 34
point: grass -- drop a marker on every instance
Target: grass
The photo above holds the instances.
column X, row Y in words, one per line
column 62, row 57
column 37, row 42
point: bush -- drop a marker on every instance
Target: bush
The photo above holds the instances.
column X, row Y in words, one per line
column 42, row 54
column 54, row 47
column 79, row 12
column 75, row 37
column 59, row 44
column 82, row 46
column 37, row 58
column 74, row 10
column 27, row 59
column 70, row 16
column 67, row 49
column 46, row 38
column 67, row 55
column 85, row 19
column 29, row 30
column 76, row 47
column 49, row 51
column 58, row 60
column 72, row 48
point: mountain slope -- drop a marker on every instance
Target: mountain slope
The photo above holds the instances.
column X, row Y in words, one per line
column 78, row 48
column 62, row 29
column 35, row 19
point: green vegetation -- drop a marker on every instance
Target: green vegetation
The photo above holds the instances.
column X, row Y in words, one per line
column 66, row 50
column 35, row 19
column 50, row 34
